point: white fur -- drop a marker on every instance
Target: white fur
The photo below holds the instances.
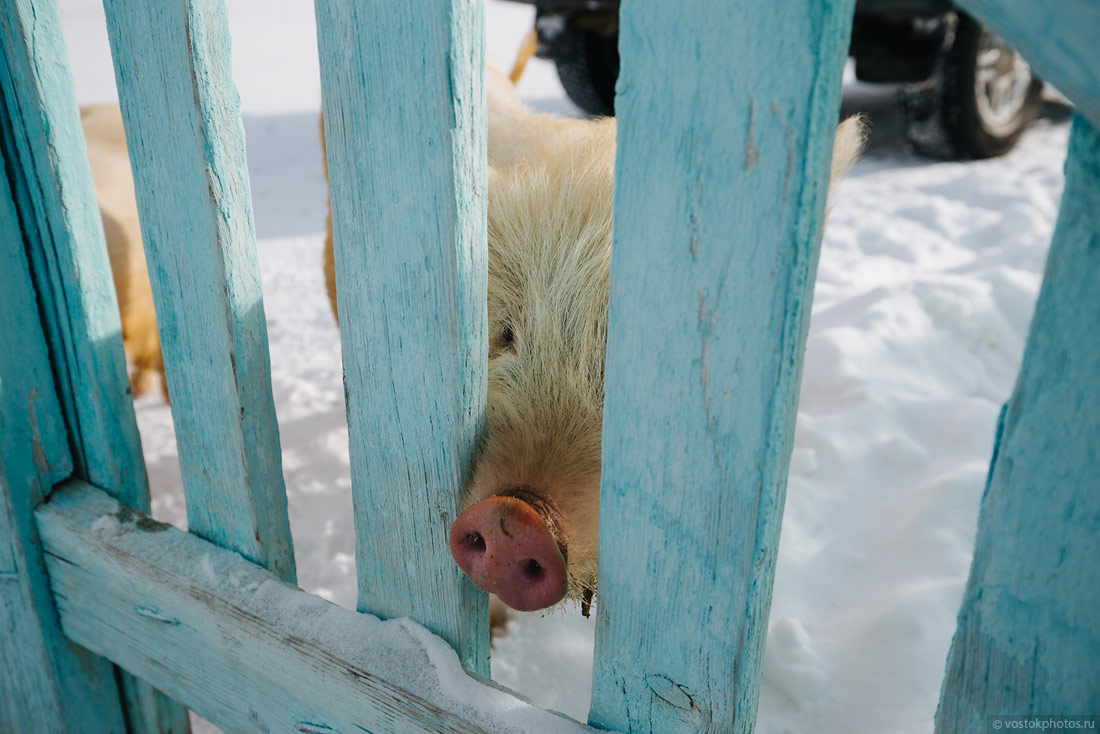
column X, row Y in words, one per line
column 550, row 228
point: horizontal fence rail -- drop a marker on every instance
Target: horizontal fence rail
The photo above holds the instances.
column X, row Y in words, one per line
column 404, row 107
column 247, row 651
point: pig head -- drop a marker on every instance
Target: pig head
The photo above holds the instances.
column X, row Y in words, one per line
column 529, row 533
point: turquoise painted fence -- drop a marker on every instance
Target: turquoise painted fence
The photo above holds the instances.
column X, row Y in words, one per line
column 112, row 622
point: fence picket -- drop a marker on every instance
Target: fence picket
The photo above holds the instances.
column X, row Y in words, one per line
column 1028, row 637
column 47, row 684
column 186, row 142
column 53, row 187
column 1064, row 53
column 53, row 190
column 404, row 106
column 721, row 179
column 726, row 119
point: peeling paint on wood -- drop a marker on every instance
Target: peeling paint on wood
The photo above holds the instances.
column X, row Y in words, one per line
column 186, row 142
column 722, row 176
column 404, row 102
column 52, row 187
column 726, row 123
column 62, row 227
column 1028, row 637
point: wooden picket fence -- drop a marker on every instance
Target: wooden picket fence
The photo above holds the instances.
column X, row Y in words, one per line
column 726, row 113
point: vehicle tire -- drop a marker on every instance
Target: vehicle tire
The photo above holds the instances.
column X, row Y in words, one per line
column 978, row 101
column 588, row 66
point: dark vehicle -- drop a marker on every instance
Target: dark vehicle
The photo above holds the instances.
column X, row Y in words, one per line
column 964, row 93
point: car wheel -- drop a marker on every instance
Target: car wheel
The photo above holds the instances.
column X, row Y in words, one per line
column 978, row 101
column 588, row 65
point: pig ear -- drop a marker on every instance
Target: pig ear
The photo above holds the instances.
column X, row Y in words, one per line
column 851, row 136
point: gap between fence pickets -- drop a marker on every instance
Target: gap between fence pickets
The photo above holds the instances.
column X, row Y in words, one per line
column 246, row 650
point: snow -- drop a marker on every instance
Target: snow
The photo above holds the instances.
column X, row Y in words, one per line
column 105, row 526
column 927, row 279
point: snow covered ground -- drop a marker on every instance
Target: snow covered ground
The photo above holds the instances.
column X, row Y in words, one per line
column 927, row 280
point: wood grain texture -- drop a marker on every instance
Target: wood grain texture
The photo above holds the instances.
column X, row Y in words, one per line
column 186, row 142
column 246, row 651
column 726, row 122
column 404, row 104
column 148, row 711
column 1028, row 638
column 47, row 684
column 1057, row 38
column 52, row 185
column 61, row 222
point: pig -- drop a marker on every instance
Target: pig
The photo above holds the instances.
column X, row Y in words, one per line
column 114, row 187
column 529, row 527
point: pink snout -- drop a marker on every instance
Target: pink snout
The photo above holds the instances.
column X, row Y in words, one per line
column 505, row 547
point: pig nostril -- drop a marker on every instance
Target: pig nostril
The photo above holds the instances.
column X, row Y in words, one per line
column 505, row 546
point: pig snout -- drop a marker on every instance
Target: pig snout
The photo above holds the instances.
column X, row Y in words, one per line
column 507, row 548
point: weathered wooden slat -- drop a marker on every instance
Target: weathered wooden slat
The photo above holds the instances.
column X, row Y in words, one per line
column 1028, row 638
column 47, row 684
column 1057, row 38
column 247, row 651
column 404, row 105
column 186, row 142
column 726, row 122
column 53, row 186
column 148, row 711
column 61, row 222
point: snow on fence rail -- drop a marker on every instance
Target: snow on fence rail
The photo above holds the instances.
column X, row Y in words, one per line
column 726, row 116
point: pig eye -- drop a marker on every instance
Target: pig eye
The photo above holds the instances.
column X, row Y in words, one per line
column 507, row 335
column 504, row 338
column 502, row 330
